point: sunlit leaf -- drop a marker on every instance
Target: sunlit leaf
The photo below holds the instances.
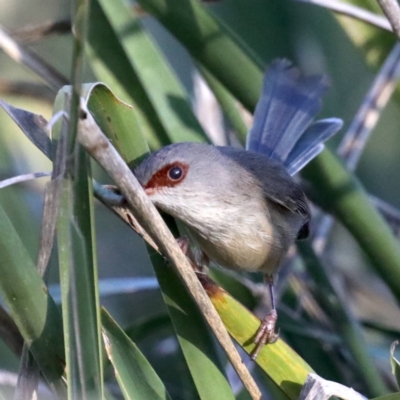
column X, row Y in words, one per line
column 281, row 363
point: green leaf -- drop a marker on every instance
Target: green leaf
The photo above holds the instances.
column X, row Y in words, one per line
column 395, row 362
column 376, row 43
column 212, row 45
column 118, row 121
column 193, row 334
column 32, row 125
column 344, row 321
column 139, row 74
column 392, row 396
column 159, row 81
column 32, row 309
column 340, row 193
column 78, row 267
column 112, row 66
column 136, row 377
column 281, row 363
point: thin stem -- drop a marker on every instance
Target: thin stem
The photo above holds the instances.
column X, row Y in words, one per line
column 390, row 213
column 350, row 10
column 341, row 194
column 32, row 61
column 356, row 137
column 339, row 311
column 80, row 33
column 391, row 9
column 22, row 178
column 21, row 88
column 364, row 122
column 34, row 33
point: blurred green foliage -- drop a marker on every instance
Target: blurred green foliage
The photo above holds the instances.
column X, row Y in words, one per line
column 316, row 41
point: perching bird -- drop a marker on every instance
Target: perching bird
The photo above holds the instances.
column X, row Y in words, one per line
column 242, row 207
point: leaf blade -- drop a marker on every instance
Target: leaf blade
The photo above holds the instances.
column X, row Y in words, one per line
column 78, row 267
column 136, row 377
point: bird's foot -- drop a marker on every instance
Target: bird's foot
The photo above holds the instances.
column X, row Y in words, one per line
column 266, row 333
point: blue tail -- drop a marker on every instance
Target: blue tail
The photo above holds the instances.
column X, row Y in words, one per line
column 283, row 127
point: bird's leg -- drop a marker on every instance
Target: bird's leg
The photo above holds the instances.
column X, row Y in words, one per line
column 266, row 332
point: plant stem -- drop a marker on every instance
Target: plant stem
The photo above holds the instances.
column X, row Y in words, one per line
column 341, row 194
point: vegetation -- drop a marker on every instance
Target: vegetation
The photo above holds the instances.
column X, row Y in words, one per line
column 89, row 308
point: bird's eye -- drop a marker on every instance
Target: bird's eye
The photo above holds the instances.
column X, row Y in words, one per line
column 175, row 173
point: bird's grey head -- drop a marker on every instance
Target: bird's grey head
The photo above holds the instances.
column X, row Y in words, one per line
column 186, row 177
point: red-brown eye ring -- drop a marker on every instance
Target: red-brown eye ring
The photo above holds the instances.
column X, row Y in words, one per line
column 175, row 173
column 168, row 176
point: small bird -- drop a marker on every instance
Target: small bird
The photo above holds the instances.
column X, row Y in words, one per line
column 242, row 208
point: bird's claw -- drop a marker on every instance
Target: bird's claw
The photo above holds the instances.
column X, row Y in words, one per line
column 266, row 333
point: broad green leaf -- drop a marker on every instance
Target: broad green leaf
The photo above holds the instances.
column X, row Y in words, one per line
column 78, row 267
column 160, row 83
column 150, row 329
column 112, row 66
column 32, row 309
column 392, row 396
column 118, row 121
column 234, row 287
column 193, row 334
column 395, row 362
column 376, row 43
column 281, row 363
column 212, row 45
column 341, row 194
column 346, row 323
column 136, row 377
